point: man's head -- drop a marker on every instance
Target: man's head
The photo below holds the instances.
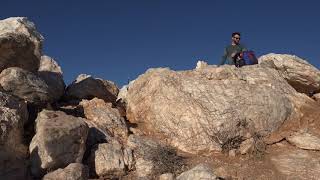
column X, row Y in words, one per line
column 236, row 38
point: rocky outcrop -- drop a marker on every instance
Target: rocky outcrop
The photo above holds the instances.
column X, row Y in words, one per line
column 109, row 160
column 25, row 85
column 51, row 73
column 255, row 122
column 204, row 110
column 199, row 172
column 301, row 75
column 87, row 87
column 20, row 44
column 74, row 171
column 105, row 117
column 59, row 140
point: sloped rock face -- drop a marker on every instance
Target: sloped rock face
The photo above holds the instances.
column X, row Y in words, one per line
column 304, row 77
column 25, row 85
column 203, row 110
column 20, row 44
column 59, row 140
column 304, row 124
column 51, row 73
column 74, row 171
column 87, row 87
column 105, row 117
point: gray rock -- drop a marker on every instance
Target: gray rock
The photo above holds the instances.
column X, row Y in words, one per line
column 12, row 118
column 51, row 73
column 13, row 152
column 199, row 111
column 199, row 172
column 74, row 171
column 304, row 77
column 20, row 44
column 25, row 85
column 87, row 87
column 96, row 135
column 108, row 160
column 59, row 140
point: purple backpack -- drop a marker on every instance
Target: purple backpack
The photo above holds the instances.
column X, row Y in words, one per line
column 249, row 58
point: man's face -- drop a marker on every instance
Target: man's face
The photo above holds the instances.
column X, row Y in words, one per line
column 236, row 39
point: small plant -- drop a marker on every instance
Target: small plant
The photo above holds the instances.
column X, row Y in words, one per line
column 259, row 146
column 166, row 160
column 233, row 143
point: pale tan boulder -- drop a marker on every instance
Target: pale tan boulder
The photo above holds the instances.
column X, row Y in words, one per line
column 51, row 73
column 20, row 44
column 300, row 74
column 199, row 111
column 104, row 116
column 60, row 139
column 25, row 85
column 108, row 160
column 87, row 87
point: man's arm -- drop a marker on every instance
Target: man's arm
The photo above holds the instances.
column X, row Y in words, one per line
column 224, row 57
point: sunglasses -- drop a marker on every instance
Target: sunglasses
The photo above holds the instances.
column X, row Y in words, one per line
column 237, row 38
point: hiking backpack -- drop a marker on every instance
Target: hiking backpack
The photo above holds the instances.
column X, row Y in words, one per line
column 245, row 58
column 249, row 58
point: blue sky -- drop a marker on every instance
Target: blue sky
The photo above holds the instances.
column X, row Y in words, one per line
column 120, row 39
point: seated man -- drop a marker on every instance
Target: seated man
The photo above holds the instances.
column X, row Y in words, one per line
column 231, row 50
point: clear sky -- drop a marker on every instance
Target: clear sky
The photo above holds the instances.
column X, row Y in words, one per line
column 120, row 39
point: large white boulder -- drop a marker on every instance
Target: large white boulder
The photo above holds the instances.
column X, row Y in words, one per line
column 20, row 44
